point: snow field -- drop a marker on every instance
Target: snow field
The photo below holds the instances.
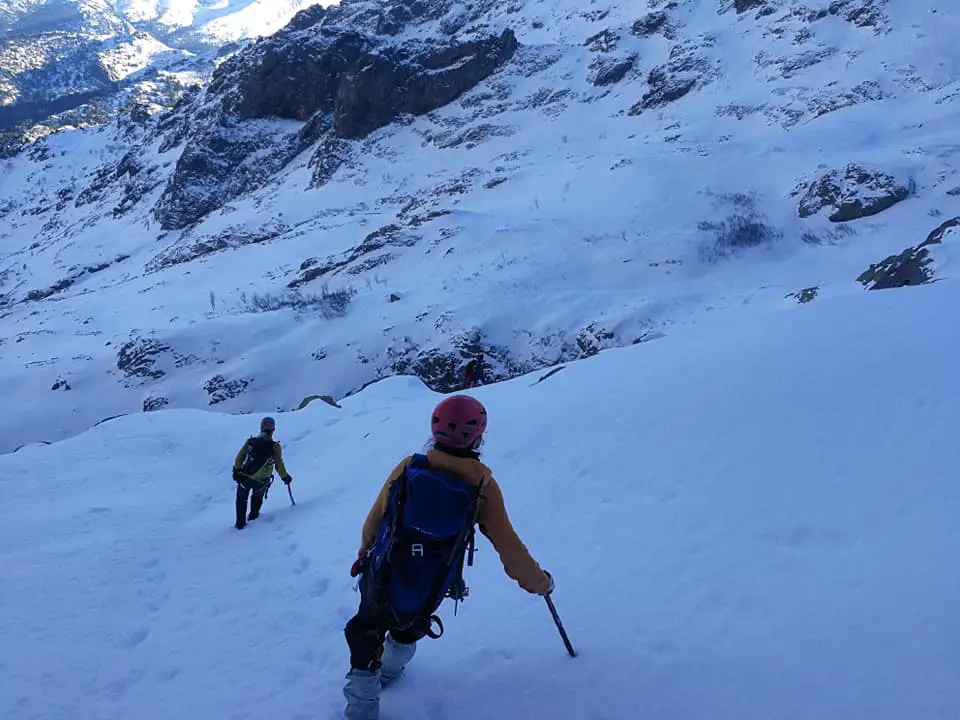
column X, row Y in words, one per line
column 750, row 519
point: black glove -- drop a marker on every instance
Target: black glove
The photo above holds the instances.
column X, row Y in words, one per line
column 359, row 566
column 237, row 475
column 552, row 584
column 287, row 480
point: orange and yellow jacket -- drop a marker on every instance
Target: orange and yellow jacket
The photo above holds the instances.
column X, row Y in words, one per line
column 492, row 518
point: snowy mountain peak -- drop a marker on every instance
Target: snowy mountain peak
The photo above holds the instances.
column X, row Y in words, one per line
column 73, row 63
column 211, row 22
column 88, row 17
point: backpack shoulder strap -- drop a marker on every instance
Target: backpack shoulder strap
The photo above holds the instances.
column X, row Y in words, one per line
column 419, row 461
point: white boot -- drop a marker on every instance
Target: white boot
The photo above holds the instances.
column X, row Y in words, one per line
column 362, row 691
column 394, row 660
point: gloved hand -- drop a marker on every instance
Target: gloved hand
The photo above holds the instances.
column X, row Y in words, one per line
column 287, row 479
column 360, row 564
column 237, row 475
column 552, row 584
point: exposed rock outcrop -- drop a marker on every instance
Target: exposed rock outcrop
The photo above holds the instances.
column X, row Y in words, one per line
column 852, row 193
column 914, row 266
column 342, row 83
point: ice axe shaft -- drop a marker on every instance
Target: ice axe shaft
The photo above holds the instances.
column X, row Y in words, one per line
column 290, row 493
column 556, row 619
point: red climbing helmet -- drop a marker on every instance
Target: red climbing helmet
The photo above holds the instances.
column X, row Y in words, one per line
column 459, row 421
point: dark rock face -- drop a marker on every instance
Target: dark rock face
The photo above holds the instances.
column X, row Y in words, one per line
column 450, row 71
column 289, row 77
column 741, row 6
column 154, row 402
column 369, row 98
column 144, row 359
column 605, row 41
column 328, row 399
column 852, row 194
column 380, row 88
column 610, row 70
column 686, row 69
column 912, row 266
column 216, row 167
column 137, row 358
column 220, row 389
column 136, row 180
column 330, row 155
column 862, row 13
column 59, row 286
column 335, row 80
column 806, row 295
column 297, row 74
column 232, row 148
column 370, row 253
column 653, row 23
column 442, row 370
column 189, row 248
column 908, row 268
column 392, row 18
column 665, row 87
column 306, row 19
column 945, row 229
column 590, row 341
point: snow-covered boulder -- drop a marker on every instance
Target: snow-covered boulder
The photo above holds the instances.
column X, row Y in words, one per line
column 853, row 193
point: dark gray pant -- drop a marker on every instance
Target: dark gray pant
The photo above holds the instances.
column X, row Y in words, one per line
column 366, row 635
column 255, row 492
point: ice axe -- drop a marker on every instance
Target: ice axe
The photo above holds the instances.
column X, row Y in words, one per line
column 290, row 493
column 556, row 619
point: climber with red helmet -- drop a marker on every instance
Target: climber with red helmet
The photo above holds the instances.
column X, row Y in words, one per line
column 412, row 551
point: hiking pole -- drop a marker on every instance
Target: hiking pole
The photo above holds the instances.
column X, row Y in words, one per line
column 556, row 619
column 290, row 493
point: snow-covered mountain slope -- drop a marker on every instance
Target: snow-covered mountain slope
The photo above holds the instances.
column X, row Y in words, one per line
column 211, row 22
column 53, row 49
column 67, row 62
column 370, row 193
column 750, row 519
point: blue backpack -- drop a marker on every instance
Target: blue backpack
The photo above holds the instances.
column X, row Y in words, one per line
column 418, row 557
